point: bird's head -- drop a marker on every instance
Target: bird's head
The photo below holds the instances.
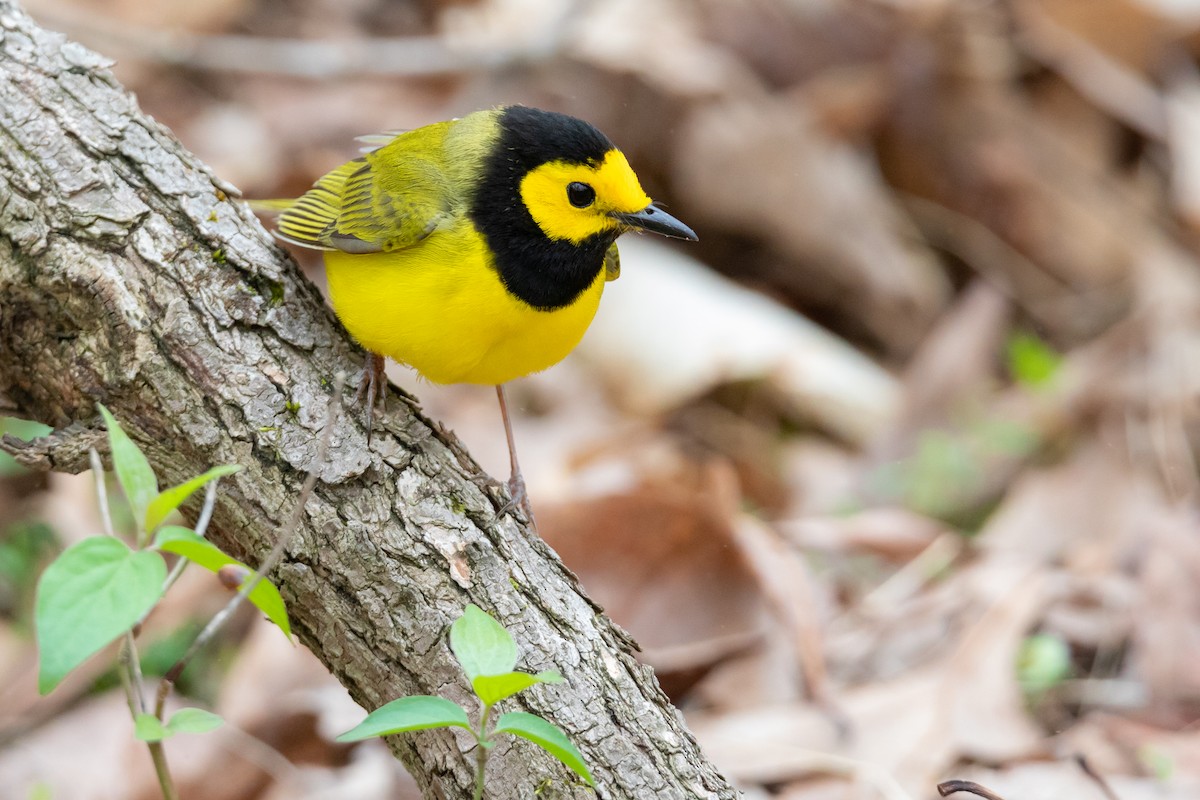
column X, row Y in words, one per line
column 575, row 201
column 576, row 184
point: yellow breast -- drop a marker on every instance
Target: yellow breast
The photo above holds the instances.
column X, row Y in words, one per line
column 440, row 307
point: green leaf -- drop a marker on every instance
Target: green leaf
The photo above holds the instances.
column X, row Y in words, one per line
column 192, row 546
column 195, row 548
column 133, row 470
column 170, row 499
column 25, row 547
column 1157, row 762
column 416, row 713
column 91, row 594
column 147, row 728
column 1043, row 662
column 40, row 791
column 194, row 720
column 481, row 644
column 494, row 688
column 547, row 736
column 1031, row 361
column 267, row 599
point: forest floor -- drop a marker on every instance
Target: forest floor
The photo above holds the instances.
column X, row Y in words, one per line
column 892, row 476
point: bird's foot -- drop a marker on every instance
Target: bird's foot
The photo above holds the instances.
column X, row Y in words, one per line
column 372, row 387
column 518, row 498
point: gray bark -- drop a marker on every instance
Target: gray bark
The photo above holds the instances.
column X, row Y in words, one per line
column 129, row 275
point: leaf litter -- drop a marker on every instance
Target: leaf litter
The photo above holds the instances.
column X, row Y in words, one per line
column 803, row 461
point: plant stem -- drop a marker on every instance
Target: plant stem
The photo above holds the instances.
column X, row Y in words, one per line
column 101, row 492
column 159, row 756
column 481, row 751
column 128, row 660
column 133, row 698
column 129, row 667
column 480, row 766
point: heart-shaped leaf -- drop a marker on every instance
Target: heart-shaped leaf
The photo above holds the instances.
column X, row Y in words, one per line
column 481, row 644
column 91, row 594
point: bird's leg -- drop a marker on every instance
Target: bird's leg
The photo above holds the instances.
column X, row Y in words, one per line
column 372, row 385
column 518, row 497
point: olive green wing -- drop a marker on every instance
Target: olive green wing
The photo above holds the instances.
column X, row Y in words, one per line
column 388, row 199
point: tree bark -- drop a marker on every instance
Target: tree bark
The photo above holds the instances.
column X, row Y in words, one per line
column 129, row 275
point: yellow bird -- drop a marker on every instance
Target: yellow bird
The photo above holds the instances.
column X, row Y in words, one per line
column 474, row 250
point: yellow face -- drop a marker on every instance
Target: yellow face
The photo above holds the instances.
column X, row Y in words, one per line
column 573, row 202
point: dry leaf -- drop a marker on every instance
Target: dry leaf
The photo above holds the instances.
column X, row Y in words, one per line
column 652, row 558
column 670, row 330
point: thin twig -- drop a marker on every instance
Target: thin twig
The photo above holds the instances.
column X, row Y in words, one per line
column 253, row 750
column 176, row 571
column 60, row 450
column 206, row 511
column 129, row 666
column 948, row 788
column 129, row 655
column 132, row 697
column 1096, row 777
column 903, row 584
column 785, row 582
column 101, row 492
column 269, row 563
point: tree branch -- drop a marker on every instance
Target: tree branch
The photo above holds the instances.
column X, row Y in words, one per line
column 128, row 275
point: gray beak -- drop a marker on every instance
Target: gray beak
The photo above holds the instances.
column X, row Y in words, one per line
column 654, row 219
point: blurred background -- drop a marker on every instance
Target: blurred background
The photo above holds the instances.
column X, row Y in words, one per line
column 892, row 475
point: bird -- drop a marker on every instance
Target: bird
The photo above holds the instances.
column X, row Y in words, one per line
column 473, row 250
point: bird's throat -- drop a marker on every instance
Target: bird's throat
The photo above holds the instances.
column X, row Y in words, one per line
column 546, row 274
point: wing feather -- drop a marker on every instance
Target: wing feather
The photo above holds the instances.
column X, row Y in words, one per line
column 311, row 220
column 388, row 199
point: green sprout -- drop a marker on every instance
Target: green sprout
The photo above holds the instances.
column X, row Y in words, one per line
column 487, row 654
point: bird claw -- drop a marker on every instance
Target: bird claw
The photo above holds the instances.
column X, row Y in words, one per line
column 518, row 497
column 517, row 500
column 372, row 386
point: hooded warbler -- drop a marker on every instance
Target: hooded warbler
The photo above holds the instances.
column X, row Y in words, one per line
column 474, row 250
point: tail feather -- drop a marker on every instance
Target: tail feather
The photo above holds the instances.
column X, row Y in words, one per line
column 311, row 220
column 308, row 234
column 271, row 206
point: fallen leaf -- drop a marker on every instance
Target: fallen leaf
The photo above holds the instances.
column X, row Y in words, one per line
column 659, row 355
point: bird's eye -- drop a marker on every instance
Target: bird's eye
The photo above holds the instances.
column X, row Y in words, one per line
column 580, row 194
